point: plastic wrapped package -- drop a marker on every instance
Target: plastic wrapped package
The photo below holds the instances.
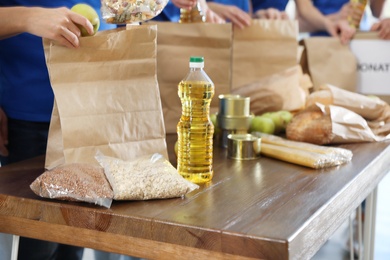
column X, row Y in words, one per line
column 75, row 182
column 301, row 153
column 131, row 11
column 144, row 178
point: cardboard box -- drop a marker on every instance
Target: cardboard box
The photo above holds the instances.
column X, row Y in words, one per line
column 373, row 57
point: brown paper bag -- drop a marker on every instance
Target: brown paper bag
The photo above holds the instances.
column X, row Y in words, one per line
column 176, row 43
column 328, row 61
column 262, row 49
column 106, row 97
column 335, row 115
column 286, row 90
column 374, row 110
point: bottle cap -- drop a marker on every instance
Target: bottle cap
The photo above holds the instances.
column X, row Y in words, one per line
column 196, row 62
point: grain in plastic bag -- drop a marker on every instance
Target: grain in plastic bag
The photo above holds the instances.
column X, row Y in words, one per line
column 144, row 178
column 131, row 11
column 75, row 182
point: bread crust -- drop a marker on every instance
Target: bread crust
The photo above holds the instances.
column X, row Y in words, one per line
column 310, row 125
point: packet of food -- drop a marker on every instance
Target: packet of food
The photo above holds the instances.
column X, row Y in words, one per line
column 147, row 177
column 131, row 11
column 75, row 182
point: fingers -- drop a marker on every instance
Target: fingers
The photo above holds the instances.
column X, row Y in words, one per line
column 272, row 14
column 383, row 28
column 82, row 21
column 346, row 32
column 384, row 33
column 375, row 27
column 240, row 19
column 212, row 17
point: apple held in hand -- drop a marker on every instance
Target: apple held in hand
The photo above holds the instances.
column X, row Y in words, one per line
column 262, row 124
column 88, row 12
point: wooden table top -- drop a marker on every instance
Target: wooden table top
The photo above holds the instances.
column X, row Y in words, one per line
column 260, row 208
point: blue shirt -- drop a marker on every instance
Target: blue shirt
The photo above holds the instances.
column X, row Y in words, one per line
column 170, row 13
column 26, row 92
column 265, row 4
column 327, row 7
column 242, row 4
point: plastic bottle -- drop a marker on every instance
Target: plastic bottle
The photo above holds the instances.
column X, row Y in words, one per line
column 195, row 129
column 193, row 15
column 358, row 7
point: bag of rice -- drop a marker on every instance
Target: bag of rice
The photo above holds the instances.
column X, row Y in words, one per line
column 148, row 177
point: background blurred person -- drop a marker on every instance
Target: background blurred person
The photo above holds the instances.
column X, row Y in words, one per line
column 383, row 25
column 270, row 9
column 313, row 19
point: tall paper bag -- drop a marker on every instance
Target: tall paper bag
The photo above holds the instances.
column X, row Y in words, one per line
column 264, row 48
column 176, row 43
column 328, row 61
column 106, row 97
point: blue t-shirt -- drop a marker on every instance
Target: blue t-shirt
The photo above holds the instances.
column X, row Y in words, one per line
column 327, row 7
column 265, row 4
column 242, row 4
column 170, row 13
column 26, row 92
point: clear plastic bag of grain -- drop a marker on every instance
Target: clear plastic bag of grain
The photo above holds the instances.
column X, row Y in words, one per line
column 148, row 177
column 131, row 11
column 75, row 182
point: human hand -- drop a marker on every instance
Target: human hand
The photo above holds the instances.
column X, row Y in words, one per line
column 383, row 27
column 57, row 24
column 231, row 13
column 3, row 133
column 340, row 29
column 212, row 17
column 272, row 14
column 345, row 31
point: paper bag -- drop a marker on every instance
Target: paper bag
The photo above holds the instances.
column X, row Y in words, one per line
column 106, row 97
column 262, row 49
column 335, row 115
column 328, row 61
column 176, row 43
column 373, row 56
column 286, row 90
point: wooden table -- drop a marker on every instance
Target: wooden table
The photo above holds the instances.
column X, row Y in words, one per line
column 260, row 208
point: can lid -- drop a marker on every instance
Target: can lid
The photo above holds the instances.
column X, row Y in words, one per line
column 196, row 62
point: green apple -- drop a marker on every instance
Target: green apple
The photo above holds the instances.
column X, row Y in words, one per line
column 262, row 124
column 213, row 118
column 286, row 116
column 88, row 12
column 176, row 148
column 280, row 118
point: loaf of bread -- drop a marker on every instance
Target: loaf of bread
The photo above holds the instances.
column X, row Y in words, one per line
column 310, row 125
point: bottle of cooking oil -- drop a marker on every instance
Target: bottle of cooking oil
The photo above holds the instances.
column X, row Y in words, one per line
column 193, row 15
column 358, row 7
column 195, row 129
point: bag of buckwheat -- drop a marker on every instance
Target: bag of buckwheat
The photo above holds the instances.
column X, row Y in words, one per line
column 75, row 182
column 147, row 177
